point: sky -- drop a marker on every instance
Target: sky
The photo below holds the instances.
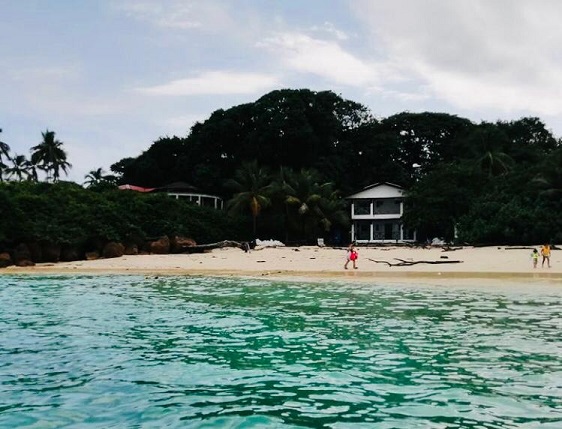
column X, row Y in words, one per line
column 110, row 77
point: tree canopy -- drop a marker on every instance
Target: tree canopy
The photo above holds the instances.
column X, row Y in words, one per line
column 287, row 160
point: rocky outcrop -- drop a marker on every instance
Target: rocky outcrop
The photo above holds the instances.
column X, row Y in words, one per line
column 113, row 250
column 131, row 249
column 5, row 260
column 160, row 246
column 181, row 244
column 90, row 256
column 28, row 254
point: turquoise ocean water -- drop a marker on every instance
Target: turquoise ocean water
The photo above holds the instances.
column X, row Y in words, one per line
column 174, row 352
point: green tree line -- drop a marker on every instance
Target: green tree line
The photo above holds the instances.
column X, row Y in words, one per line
column 67, row 214
column 287, row 160
column 479, row 182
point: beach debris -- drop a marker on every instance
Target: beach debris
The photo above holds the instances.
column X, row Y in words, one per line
column 201, row 248
column 269, row 243
column 404, row 263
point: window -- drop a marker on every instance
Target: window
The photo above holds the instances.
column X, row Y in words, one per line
column 363, row 230
column 362, row 207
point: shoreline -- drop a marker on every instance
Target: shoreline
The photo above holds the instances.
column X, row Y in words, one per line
column 324, row 263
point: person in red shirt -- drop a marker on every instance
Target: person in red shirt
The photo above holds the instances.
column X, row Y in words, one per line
column 352, row 256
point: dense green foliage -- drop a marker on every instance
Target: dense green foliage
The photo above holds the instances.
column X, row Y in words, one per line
column 289, row 128
column 489, row 182
column 286, row 161
column 66, row 213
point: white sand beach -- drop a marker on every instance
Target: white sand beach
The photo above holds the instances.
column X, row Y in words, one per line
column 498, row 262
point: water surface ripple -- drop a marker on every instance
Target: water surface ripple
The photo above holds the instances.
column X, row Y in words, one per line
column 126, row 351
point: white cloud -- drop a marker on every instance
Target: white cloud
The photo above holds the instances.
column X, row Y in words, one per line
column 475, row 54
column 326, row 59
column 215, row 83
column 331, row 29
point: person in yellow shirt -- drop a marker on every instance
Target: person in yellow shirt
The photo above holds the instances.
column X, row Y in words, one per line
column 545, row 252
column 535, row 257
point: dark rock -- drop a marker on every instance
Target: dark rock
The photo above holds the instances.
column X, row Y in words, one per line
column 160, row 246
column 181, row 244
column 5, row 260
column 113, row 250
column 131, row 249
column 90, row 256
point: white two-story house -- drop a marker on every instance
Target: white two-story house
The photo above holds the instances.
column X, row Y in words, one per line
column 376, row 215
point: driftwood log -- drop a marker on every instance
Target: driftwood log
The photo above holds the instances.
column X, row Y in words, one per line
column 403, row 263
column 200, row 248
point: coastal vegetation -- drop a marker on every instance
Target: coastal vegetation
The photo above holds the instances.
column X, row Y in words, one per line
column 76, row 220
column 285, row 163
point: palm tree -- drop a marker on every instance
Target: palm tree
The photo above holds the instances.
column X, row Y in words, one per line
column 20, row 168
column 253, row 187
column 488, row 143
column 495, row 163
column 315, row 203
column 98, row 179
column 549, row 180
column 49, row 156
column 4, row 152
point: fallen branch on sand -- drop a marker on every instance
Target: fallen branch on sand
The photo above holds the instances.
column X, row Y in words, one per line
column 404, row 263
column 200, row 248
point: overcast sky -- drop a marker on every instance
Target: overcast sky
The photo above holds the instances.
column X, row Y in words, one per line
column 110, row 77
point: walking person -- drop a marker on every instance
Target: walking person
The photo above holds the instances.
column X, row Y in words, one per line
column 535, row 257
column 545, row 252
column 352, row 256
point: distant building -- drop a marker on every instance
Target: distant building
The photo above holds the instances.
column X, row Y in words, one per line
column 376, row 215
column 185, row 191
